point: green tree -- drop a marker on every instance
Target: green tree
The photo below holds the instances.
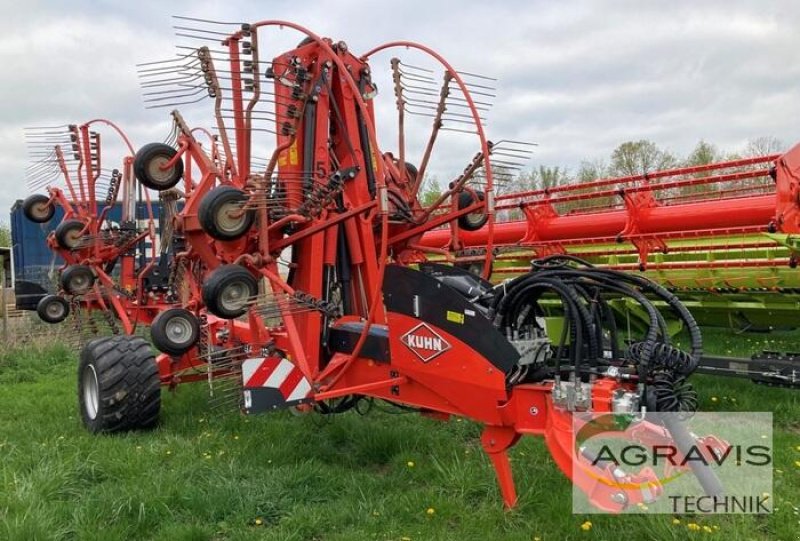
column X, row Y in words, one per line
column 640, row 157
column 430, row 191
column 550, row 177
column 703, row 154
column 5, row 236
column 592, row 170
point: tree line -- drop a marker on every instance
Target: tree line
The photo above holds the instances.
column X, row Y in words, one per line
column 630, row 158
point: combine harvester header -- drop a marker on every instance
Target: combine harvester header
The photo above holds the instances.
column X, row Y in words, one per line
column 722, row 236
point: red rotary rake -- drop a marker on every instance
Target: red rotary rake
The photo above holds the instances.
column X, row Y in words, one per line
column 69, row 164
column 309, row 250
column 119, row 266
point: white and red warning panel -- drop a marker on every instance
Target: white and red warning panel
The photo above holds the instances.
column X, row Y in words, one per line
column 272, row 383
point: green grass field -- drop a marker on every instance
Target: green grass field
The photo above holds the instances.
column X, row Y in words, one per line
column 204, row 474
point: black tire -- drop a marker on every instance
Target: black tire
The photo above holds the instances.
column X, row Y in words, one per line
column 77, row 279
column 118, row 385
column 67, row 234
column 474, row 220
column 37, row 208
column 214, row 213
column 52, row 309
column 175, row 331
column 474, row 267
column 147, row 166
column 228, row 291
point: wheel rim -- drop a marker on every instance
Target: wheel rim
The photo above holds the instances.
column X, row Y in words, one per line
column 226, row 218
column 179, row 331
column 235, row 296
column 73, row 237
column 40, row 210
column 54, row 310
column 474, row 218
column 155, row 171
column 80, row 283
column 91, row 392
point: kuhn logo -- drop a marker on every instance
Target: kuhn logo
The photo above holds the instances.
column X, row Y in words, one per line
column 425, row 342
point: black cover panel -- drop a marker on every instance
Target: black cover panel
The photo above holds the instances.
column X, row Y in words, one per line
column 447, row 309
column 343, row 338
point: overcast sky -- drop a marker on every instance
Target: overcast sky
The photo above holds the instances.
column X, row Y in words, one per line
column 578, row 78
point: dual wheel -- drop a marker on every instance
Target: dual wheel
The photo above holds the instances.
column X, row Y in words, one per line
column 75, row 280
column 228, row 293
column 39, row 209
column 220, row 212
column 119, row 387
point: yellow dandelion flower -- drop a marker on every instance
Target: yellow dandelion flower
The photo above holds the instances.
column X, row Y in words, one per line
column 707, row 529
column 693, row 526
column 715, row 527
column 259, row 522
column 797, row 463
column 430, row 510
column 586, row 526
column 797, row 448
column 169, row 452
column 676, row 521
column 410, row 464
column 236, row 437
column 537, row 538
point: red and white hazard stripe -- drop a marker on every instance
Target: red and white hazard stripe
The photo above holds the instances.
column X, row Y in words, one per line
column 276, row 373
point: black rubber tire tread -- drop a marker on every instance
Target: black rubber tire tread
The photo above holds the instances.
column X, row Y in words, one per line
column 466, row 199
column 129, row 384
column 149, row 152
column 37, row 199
column 158, row 331
column 42, row 312
column 70, row 272
column 64, row 229
column 217, row 281
column 209, row 207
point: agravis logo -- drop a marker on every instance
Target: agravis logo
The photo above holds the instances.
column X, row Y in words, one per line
column 719, row 462
column 426, row 343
